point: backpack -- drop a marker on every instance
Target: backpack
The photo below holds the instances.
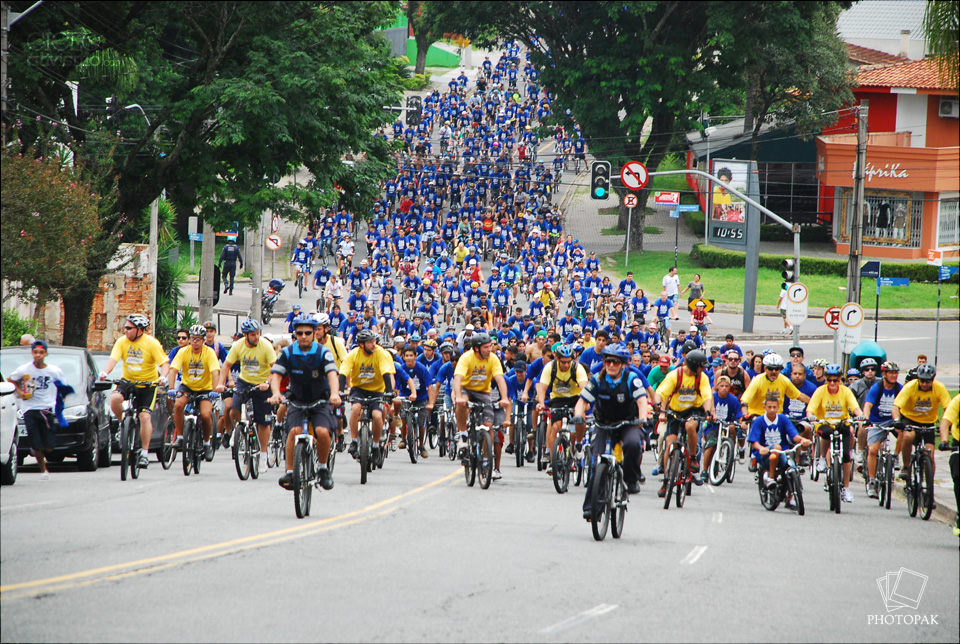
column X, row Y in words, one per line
column 574, row 366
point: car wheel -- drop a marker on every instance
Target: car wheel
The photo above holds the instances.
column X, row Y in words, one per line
column 8, row 472
column 87, row 460
column 106, row 452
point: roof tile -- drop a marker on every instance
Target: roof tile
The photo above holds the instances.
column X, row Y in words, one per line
column 918, row 74
column 867, row 56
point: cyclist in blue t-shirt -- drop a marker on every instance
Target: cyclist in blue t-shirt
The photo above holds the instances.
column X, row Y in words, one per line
column 772, row 430
column 878, row 408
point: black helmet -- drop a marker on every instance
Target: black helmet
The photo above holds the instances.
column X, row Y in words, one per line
column 689, row 346
column 480, row 339
column 926, row 372
column 696, row 360
column 364, row 335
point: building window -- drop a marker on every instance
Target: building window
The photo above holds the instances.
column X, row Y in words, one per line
column 889, row 218
column 948, row 224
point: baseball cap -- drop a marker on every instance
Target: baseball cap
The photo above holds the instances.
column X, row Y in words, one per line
column 39, row 343
column 664, row 360
column 519, row 366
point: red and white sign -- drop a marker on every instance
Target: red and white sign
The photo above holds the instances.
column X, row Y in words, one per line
column 831, row 317
column 275, row 224
column 666, row 198
column 634, row 175
column 273, row 242
column 935, row 257
column 630, row 200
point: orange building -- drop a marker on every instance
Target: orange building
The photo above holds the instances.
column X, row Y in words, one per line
column 912, row 184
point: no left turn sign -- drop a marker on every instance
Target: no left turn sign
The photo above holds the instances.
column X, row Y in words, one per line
column 634, row 175
column 630, row 200
column 273, row 242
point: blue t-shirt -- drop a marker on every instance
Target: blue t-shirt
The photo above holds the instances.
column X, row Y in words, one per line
column 419, row 376
column 726, row 408
column 795, row 408
column 882, row 400
column 778, row 434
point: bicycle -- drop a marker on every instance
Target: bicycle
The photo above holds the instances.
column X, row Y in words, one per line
column 886, row 466
column 540, row 439
column 609, row 496
column 724, row 464
column 787, row 482
column 276, row 444
column 306, row 462
column 663, row 331
column 834, row 483
column 919, row 485
column 478, row 460
column 585, row 462
column 411, row 413
column 168, row 448
column 562, row 457
column 365, row 434
column 246, row 445
column 192, row 453
column 448, row 433
column 301, row 287
column 130, row 443
column 521, row 415
column 678, row 477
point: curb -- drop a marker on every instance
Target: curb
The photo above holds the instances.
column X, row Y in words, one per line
column 944, row 512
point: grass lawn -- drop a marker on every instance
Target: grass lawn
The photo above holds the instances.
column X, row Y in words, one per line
column 725, row 285
column 615, row 210
column 647, row 230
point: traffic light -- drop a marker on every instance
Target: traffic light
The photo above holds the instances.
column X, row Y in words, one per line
column 600, row 180
column 113, row 110
column 413, row 110
column 790, row 270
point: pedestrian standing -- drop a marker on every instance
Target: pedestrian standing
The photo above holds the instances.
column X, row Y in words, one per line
column 229, row 258
column 695, row 288
column 671, row 284
column 782, row 305
column 36, row 384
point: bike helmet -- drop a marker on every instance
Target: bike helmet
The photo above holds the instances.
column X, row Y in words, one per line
column 302, row 242
column 446, row 347
column 415, row 337
column 138, row 320
column 295, row 307
column 868, row 362
column 577, row 329
column 701, row 305
column 430, row 343
column 694, row 329
column 197, row 330
column 926, row 372
column 304, row 319
column 688, row 346
column 365, row 335
column 820, row 362
column 480, row 339
column 889, row 366
column 249, row 326
column 853, row 372
column 323, row 319
column 564, row 351
column 832, row 370
column 773, row 360
column 617, row 352
column 696, row 360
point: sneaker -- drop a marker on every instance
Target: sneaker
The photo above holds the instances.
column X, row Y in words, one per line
column 767, row 481
column 846, row 495
column 741, row 455
column 655, row 471
column 791, row 504
column 496, row 475
column 530, row 457
column 326, row 478
column 225, row 440
column 662, row 492
column 375, row 453
column 703, row 476
column 263, row 462
column 178, row 443
column 402, row 445
column 903, row 475
column 44, row 476
column 144, row 460
column 509, row 449
column 462, row 447
column 208, row 452
column 633, row 488
column 549, row 470
column 872, row 489
column 859, row 457
column 286, row 481
column 423, row 453
column 352, row 450
column 804, row 460
column 821, row 464
column 640, row 477
column 753, row 465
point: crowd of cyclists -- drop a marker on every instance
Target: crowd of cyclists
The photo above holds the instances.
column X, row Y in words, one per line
column 543, row 340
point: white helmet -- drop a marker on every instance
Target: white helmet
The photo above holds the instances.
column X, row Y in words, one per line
column 773, row 360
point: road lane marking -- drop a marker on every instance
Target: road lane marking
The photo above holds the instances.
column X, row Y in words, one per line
column 712, row 491
column 718, row 517
column 570, row 622
column 694, row 555
column 26, row 505
column 217, row 549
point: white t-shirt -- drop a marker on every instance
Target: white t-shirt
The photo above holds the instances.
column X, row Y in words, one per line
column 783, row 299
column 38, row 385
column 671, row 284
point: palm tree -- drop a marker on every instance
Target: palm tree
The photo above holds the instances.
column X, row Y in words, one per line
column 940, row 27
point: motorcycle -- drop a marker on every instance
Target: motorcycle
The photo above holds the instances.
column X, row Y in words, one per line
column 269, row 299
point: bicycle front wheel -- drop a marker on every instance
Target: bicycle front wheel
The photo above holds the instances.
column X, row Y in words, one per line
column 274, row 447
column 599, row 504
column 887, row 484
column 241, row 450
column 301, row 480
column 925, row 487
column 253, row 453
column 561, row 465
column 412, row 435
column 796, row 485
column 186, row 457
column 198, row 451
column 485, row 460
column 836, row 482
column 168, row 450
column 618, row 504
column 673, row 478
column 126, row 429
column 364, row 448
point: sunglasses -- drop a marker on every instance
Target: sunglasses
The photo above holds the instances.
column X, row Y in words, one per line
column 796, row 355
column 734, row 359
column 772, row 368
column 869, row 369
column 611, row 361
column 833, row 380
column 182, row 337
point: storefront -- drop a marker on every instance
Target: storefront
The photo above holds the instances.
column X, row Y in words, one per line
column 911, row 194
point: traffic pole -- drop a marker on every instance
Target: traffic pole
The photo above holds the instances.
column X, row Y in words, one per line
column 936, row 341
column 626, row 259
column 676, row 242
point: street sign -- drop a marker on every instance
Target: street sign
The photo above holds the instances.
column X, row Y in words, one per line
column 662, row 198
column 273, row 242
column 630, row 200
column 275, row 224
column 797, row 300
column 831, row 317
column 674, row 214
column 893, row 281
column 634, row 175
column 946, row 272
column 870, row 269
column 851, row 326
column 196, row 236
column 935, row 257
column 688, row 207
column 708, row 304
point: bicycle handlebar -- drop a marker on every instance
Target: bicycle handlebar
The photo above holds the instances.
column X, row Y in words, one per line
column 299, row 405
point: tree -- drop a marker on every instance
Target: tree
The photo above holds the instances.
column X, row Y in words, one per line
column 234, row 95
column 421, row 17
column 941, row 27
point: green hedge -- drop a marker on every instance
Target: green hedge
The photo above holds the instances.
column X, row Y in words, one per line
column 714, row 257
column 768, row 232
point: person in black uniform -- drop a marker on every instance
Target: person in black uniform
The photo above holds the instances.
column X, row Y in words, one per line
column 229, row 258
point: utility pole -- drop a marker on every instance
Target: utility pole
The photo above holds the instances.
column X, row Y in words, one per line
column 255, row 261
column 208, row 249
column 856, row 219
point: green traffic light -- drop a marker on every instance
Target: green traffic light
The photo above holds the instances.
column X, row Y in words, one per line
column 600, row 192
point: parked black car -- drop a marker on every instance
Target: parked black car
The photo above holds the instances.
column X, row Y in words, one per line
column 87, row 435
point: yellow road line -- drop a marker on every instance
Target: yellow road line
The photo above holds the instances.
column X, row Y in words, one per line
column 160, row 562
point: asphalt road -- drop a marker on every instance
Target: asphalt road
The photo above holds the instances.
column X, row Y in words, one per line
column 416, row 555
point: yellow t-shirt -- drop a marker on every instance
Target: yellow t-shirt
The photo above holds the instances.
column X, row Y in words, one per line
column 366, row 371
column 922, row 406
column 688, row 394
column 337, row 348
column 588, row 344
column 546, row 297
column 952, row 414
column 460, row 254
column 196, row 370
column 255, row 362
column 477, row 374
column 141, row 358
column 564, row 385
column 827, row 406
column 756, row 392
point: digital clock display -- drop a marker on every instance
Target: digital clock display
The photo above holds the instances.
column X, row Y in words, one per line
column 731, row 233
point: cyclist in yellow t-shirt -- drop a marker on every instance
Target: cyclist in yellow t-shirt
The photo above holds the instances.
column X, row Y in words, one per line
column 950, row 425
column 834, row 401
column 142, row 356
column 565, row 386
column 370, row 372
column 476, row 369
column 686, row 390
column 918, row 404
column 256, row 356
column 760, row 388
column 200, row 368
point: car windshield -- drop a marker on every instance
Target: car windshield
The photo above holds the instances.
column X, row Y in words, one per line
column 69, row 363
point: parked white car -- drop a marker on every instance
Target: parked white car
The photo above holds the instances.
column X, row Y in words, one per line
column 8, row 433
